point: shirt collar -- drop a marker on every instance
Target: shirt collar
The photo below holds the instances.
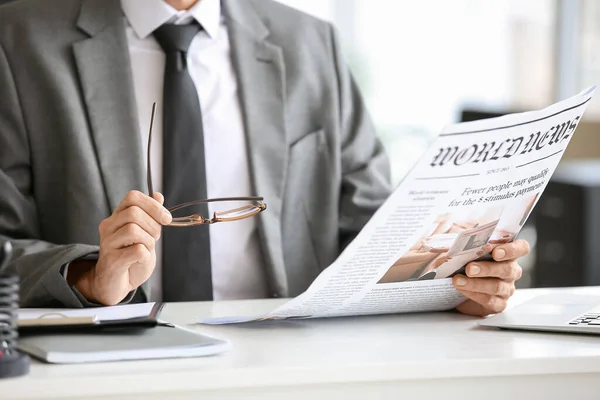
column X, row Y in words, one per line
column 145, row 16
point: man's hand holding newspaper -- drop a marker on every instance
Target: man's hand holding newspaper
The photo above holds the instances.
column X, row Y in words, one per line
column 446, row 238
column 489, row 284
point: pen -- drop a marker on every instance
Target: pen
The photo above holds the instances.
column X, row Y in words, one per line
column 5, row 255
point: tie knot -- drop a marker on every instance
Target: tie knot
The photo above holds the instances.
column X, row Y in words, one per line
column 174, row 38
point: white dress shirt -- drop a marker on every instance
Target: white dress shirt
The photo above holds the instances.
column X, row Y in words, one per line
column 237, row 267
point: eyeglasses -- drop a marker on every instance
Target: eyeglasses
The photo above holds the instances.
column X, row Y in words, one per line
column 254, row 206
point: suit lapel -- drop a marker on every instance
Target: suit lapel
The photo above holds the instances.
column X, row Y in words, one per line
column 105, row 74
column 260, row 72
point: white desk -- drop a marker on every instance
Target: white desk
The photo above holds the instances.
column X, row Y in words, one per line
column 441, row 356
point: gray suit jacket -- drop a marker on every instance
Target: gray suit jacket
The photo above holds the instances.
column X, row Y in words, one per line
column 70, row 149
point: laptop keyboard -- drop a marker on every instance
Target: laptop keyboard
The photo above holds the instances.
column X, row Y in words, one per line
column 587, row 319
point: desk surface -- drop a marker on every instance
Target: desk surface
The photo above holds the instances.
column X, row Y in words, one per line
column 420, row 354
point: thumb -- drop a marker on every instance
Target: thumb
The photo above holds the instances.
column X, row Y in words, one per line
column 159, row 197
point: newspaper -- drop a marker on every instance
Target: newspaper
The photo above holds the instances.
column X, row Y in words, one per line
column 471, row 191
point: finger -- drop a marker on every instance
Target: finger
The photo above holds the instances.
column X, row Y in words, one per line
column 129, row 235
column 511, row 251
column 508, row 270
column 473, row 308
column 490, row 304
column 489, row 286
column 150, row 205
column 140, row 269
column 159, row 197
column 137, row 253
column 131, row 215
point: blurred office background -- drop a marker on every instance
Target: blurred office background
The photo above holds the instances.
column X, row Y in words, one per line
column 423, row 64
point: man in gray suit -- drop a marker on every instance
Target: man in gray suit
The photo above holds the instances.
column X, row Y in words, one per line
column 280, row 118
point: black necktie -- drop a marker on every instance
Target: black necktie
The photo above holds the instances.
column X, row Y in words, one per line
column 186, row 270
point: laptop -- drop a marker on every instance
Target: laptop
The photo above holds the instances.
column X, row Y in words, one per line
column 560, row 312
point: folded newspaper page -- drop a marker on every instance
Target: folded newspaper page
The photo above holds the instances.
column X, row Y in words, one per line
column 472, row 190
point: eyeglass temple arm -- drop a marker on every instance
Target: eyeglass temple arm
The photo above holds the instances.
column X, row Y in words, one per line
column 149, row 172
column 149, row 177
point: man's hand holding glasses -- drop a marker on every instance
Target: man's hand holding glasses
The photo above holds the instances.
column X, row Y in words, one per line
column 127, row 250
column 128, row 238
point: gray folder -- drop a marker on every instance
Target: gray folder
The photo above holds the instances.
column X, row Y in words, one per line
column 162, row 341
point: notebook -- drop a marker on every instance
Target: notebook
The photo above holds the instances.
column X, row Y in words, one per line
column 162, row 341
column 65, row 319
